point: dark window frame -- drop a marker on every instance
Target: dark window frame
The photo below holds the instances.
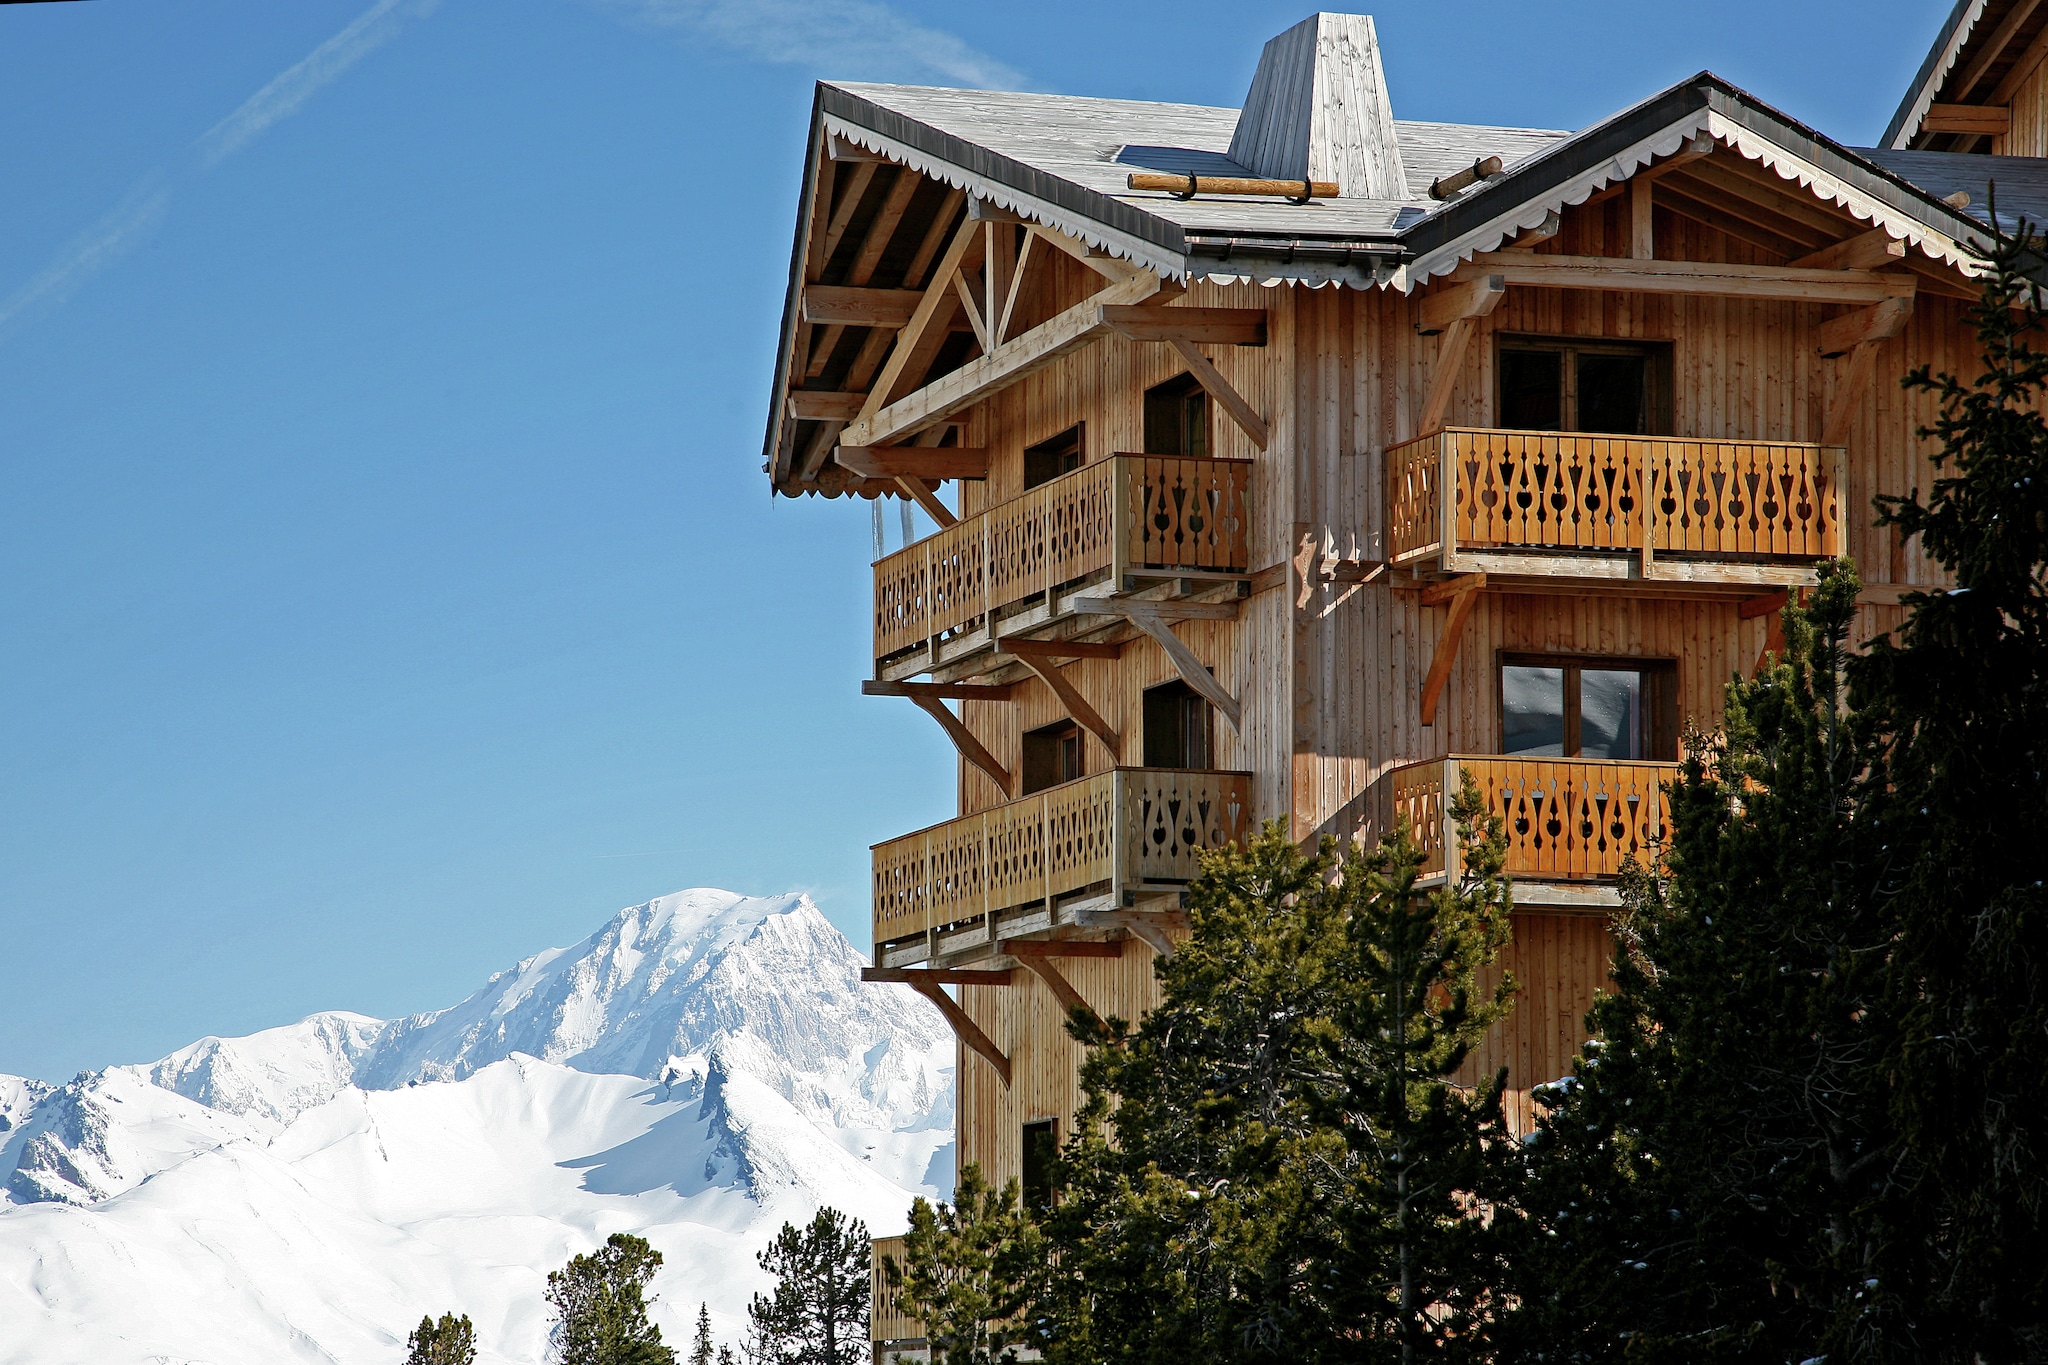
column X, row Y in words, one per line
column 1178, row 693
column 1040, row 770
column 1039, row 1148
column 1659, row 418
column 1039, row 454
column 1186, row 391
column 1659, row 706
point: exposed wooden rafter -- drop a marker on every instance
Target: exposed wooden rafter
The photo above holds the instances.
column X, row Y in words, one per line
column 1462, row 594
column 1870, row 250
column 1042, row 658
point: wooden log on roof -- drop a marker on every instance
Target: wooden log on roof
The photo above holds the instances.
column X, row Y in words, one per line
column 1188, row 186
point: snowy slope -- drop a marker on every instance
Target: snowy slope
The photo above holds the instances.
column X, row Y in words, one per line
column 306, row 1193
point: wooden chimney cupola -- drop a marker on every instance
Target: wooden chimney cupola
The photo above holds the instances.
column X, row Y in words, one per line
column 1318, row 110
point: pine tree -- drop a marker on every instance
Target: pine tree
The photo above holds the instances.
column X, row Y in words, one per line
column 725, row 1355
column 1273, row 1165
column 601, row 1306
column 1697, row 1185
column 700, row 1348
column 1966, row 691
column 971, row 1270
column 451, row 1341
column 818, row 1314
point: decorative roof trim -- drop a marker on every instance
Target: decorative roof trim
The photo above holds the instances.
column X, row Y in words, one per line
column 1941, row 59
column 1530, row 213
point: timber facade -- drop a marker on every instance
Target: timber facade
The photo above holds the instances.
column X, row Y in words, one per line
column 1289, row 462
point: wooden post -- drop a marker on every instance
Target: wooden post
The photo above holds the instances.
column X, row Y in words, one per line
column 1649, row 519
column 1453, row 855
column 1447, row 496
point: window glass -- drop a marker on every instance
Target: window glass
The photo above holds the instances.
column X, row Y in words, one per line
column 1532, row 711
column 1611, row 392
column 1177, row 727
column 1041, row 1147
column 1177, row 418
column 1052, row 755
column 1610, row 713
column 1532, row 390
column 1049, row 459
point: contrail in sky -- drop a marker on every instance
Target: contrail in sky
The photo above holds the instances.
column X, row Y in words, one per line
column 115, row 235
column 842, row 37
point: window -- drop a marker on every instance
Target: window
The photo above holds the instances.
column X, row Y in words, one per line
column 1552, row 384
column 1177, row 727
column 1052, row 755
column 1565, row 707
column 1041, row 1145
column 1177, row 418
column 1051, row 458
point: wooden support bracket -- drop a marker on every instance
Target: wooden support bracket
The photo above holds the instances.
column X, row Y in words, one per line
column 963, row 738
column 919, row 492
column 1473, row 301
column 1205, row 326
column 1206, row 374
column 1037, row 956
column 1463, row 595
column 913, row 462
column 1153, row 619
column 1041, row 657
column 967, row 1030
column 1879, row 322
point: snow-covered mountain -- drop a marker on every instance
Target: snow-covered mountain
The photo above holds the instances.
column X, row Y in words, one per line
column 700, row 1069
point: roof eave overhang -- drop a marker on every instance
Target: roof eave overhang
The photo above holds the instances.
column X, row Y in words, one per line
column 776, row 445
column 1934, row 71
column 1618, row 148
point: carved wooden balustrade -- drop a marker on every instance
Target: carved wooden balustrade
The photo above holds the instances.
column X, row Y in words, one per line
column 886, row 1323
column 1567, row 819
column 1115, row 831
column 1564, row 491
column 1124, row 514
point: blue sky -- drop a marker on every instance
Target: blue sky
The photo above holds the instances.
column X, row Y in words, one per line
column 388, row 587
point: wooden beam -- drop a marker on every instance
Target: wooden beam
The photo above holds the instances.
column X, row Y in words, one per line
column 1551, row 225
column 914, row 462
column 1000, row 368
column 1879, row 322
column 919, row 492
column 972, row 307
column 1059, row 649
column 968, row 1031
column 1113, row 268
column 1850, row 394
column 998, row 261
column 1991, row 49
column 927, row 311
column 963, row 739
column 987, row 211
column 1170, row 611
column 1002, row 324
column 1204, row 326
column 1233, row 402
column 1021, row 948
column 938, row 976
column 1670, row 197
column 1714, row 278
column 857, row 180
column 1450, row 359
column 1464, row 595
column 876, row 687
column 816, row 453
column 2020, row 72
column 1146, row 616
column 821, row 405
column 1865, row 251
column 1642, row 244
column 1062, row 989
column 1077, row 707
column 1987, row 120
column 1760, row 188
column 1471, row 299
column 851, row 306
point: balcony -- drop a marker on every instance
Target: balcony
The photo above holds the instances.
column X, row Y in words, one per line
column 1011, row 567
column 1568, row 819
column 1562, row 504
column 888, row 1329
column 1104, row 840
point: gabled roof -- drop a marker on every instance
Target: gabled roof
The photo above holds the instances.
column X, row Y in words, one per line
column 1980, row 53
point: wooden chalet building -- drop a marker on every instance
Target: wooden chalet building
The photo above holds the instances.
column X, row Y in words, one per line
column 1289, row 459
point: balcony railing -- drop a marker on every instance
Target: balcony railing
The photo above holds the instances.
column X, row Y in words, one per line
column 1121, row 830
column 885, row 1323
column 1126, row 514
column 1561, row 491
column 1568, row 819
